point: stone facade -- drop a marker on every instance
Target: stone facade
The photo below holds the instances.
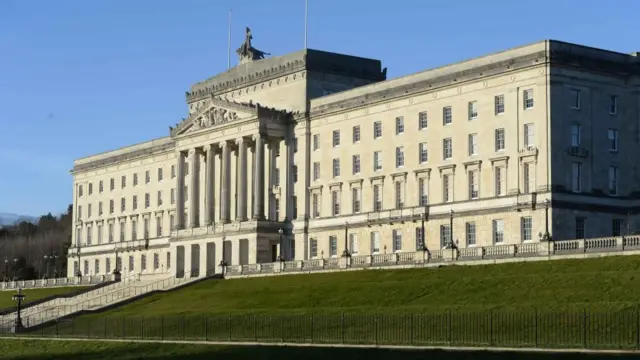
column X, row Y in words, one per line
column 318, row 150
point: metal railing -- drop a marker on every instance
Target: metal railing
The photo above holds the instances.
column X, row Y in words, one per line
column 43, row 283
column 544, row 329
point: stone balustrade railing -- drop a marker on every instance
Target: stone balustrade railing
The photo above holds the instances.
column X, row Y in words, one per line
column 425, row 257
column 44, row 283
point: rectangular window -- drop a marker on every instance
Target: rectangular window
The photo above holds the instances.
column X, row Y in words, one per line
column 110, row 229
column 613, row 139
column 172, row 195
column 576, row 177
column 500, row 181
column 168, row 260
column 156, row 261
column 134, row 230
column 131, row 264
column 336, row 168
column 159, row 198
column 294, row 210
column 147, row 200
column 355, row 200
column 377, row 199
column 498, row 104
column 399, row 195
column 529, row 180
column 313, row 248
column 111, row 207
column 575, row 99
column 122, row 227
column 135, row 179
column 399, row 157
column 526, row 228
column 100, row 187
column 294, row 173
column 145, row 228
column 135, row 202
column 173, row 171
column 423, row 154
column 123, row 182
column 470, row 233
column 147, row 177
column 499, row 139
column 356, row 164
column 90, row 188
column 498, row 231
column 375, row 242
column 80, row 190
column 88, row 210
column 79, row 217
column 112, row 184
column 96, row 267
column 316, row 142
column 528, row 136
column 613, row 105
column 397, row 240
column 353, row 244
column 277, row 210
column 473, row 144
column 100, row 208
column 158, row 226
column 527, row 96
column 473, row 110
column 333, row 245
column 616, row 227
column 123, row 204
column 447, row 115
column 315, row 203
column 336, row 138
column 580, row 228
column 316, row 171
column 335, row 202
column 356, row 134
column 422, row 120
column 422, row 192
column 474, row 188
column 447, row 149
column 89, row 235
column 613, row 180
column 377, row 130
column 446, row 188
column 377, row 161
column 445, row 236
column 108, row 266
column 419, row 239
column 160, row 175
column 172, row 221
column 276, row 180
column 99, row 228
column 399, row 125
column 576, row 135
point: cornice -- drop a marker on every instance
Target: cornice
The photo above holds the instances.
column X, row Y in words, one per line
column 124, row 157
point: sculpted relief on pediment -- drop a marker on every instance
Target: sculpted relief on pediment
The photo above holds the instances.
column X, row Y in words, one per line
column 211, row 117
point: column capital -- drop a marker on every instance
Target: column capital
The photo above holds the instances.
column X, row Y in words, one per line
column 210, row 148
column 240, row 141
column 257, row 136
column 223, row 144
column 192, row 151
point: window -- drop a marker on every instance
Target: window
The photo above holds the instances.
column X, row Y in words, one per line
column 335, row 202
column 294, row 210
column 79, row 236
column 445, row 235
column 80, row 191
column 377, row 199
column 123, row 204
column 111, row 207
column 526, row 228
column 575, row 135
column 613, row 180
column 145, row 228
column 99, row 234
column 122, row 225
column 88, row 210
column 498, row 104
column 616, row 227
column 135, row 202
column 447, row 116
column 375, row 242
column 156, row 261
column 134, row 230
column 147, row 200
column 576, row 177
column 173, row 171
column 316, row 142
column 110, row 229
column 423, row 192
column 377, row 161
column 100, row 187
column 135, row 179
column 172, row 221
column 613, row 139
column 400, row 157
column 159, row 198
column 172, row 195
column 447, row 149
column 143, row 262
column 575, row 99
column 79, row 212
column 158, row 226
column 356, row 164
column 473, row 184
column 123, row 182
column 313, row 248
column 90, row 188
column 316, row 171
column 498, row 231
column 397, row 240
column 277, row 177
column 294, row 173
column 527, row 97
column 160, row 174
column 336, row 138
column 89, row 235
column 355, row 200
column 470, row 233
column 529, row 180
column 277, row 210
column 377, row 130
column 108, row 266
column 86, row 267
column 422, row 120
column 315, row 203
column 580, row 229
column 168, row 260
column 499, row 139
column 528, row 135
column 423, row 154
column 336, row 168
column 419, row 239
column 131, row 267
column 353, row 244
column 500, row 181
column 399, row 195
column 473, row 144
column 399, row 125
column 99, row 208
column 473, row 110
column 112, row 184
column 446, row 188
column 333, row 245
column 356, row 134
column 613, row 104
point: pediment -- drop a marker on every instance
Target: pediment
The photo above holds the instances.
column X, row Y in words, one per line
column 213, row 113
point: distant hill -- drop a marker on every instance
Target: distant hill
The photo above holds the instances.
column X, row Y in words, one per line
column 10, row 219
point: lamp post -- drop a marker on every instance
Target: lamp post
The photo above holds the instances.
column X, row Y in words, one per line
column 46, row 267
column 223, row 263
column 55, row 270
column 423, row 245
column 346, row 253
column 280, row 232
column 547, row 236
column 451, row 228
column 15, row 271
column 6, row 270
column 19, row 297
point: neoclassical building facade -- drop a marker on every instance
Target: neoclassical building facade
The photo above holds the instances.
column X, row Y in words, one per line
column 313, row 154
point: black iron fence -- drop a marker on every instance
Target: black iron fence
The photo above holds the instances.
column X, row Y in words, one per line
column 580, row 329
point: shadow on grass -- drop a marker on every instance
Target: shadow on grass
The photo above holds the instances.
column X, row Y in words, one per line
column 130, row 351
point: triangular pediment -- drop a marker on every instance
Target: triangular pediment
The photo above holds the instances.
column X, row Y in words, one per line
column 213, row 113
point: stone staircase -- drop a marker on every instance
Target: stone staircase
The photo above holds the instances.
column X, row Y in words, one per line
column 100, row 299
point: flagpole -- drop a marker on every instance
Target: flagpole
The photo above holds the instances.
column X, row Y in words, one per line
column 229, row 43
column 306, row 21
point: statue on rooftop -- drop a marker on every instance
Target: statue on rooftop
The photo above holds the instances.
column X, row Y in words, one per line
column 247, row 52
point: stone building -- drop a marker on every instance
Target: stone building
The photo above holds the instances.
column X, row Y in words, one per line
column 316, row 150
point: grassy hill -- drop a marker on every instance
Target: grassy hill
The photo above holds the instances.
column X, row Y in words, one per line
column 610, row 283
column 33, row 295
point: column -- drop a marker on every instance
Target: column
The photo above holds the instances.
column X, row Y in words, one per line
column 287, row 202
column 209, row 183
column 225, row 191
column 193, row 188
column 179, row 223
column 273, row 149
column 258, row 204
column 242, row 180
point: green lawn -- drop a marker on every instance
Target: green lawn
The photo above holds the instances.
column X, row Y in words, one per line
column 71, row 350
column 34, row 294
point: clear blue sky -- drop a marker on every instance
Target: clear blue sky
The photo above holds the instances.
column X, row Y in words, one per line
column 79, row 77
